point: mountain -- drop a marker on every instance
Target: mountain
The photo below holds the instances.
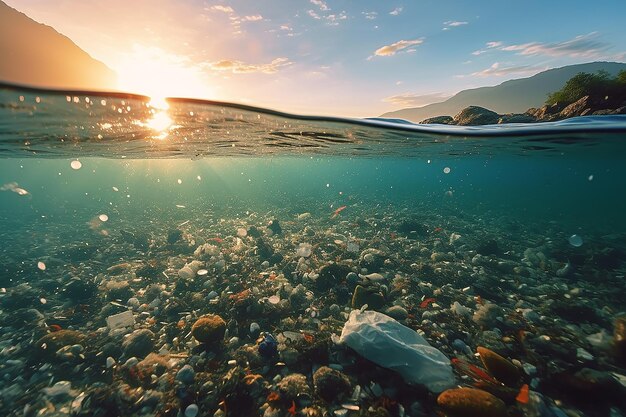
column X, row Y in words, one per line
column 37, row 55
column 514, row 96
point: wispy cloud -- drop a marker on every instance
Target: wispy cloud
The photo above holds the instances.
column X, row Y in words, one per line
column 396, row 11
column 395, row 47
column 583, row 46
column 220, row 8
column 253, row 18
column 452, row 24
column 239, row 67
column 415, row 100
column 321, row 4
column 235, row 20
column 499, row 70
column 370, row 15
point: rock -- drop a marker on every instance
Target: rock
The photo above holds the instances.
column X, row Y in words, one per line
column 186, row 375
column 60, row 389
column 397, row 312
column 580, row 107
column 255, row 329
column 500, row 368
column 79, row 290
column 118, row 290
column 470, row 402
column 139, row 343
column 209, row 329
column 516, row 118
column 442, row 120
column 292, row 387
column 254, row 232
column 487, row 315
column 474, row 115
column 373, row 298
column 372, row 259
column 331, row 275
column 50, row 343
column 488, row 247
column 191, row 410
column 384, row 341
column 590, row 384
column 174, row 236
column 274, row 226
column 330, row 384
column 619, row 339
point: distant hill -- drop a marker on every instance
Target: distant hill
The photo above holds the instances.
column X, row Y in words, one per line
column 514, row 96
column 35, row 54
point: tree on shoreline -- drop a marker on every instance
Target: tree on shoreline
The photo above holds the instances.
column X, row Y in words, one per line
column 599, row 86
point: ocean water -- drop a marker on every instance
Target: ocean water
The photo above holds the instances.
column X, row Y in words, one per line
column 90, row 181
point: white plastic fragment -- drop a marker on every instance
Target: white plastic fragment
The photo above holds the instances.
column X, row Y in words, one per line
column 384, row 341
column 121, row 320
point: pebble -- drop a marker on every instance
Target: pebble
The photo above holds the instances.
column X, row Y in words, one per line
column 139, row 343
column 191, row 410
column 110, row 362
column 59, row 389
column 186, row 375
column 582, row 354
column 255, row 329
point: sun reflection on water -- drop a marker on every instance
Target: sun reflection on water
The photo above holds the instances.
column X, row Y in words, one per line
column 160, row 120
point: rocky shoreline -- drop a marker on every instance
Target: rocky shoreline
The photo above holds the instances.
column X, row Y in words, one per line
column 477, row 116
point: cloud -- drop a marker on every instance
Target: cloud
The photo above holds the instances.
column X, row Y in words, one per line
column 239, row 67
column 224, row 9
column 493, row 44
column 415, row 100
column 389, row 50
column 583, row 46
column 396, row 11
column 452, row 24
column 370, row 15
column 321, row 4
column 254, row 18
column 497, row 70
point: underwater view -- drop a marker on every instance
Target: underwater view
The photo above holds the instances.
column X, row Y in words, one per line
column 202, row 258
column 313, row 208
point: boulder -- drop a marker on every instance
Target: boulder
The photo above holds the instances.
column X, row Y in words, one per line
column 474, row 115
column 516, row 118
column 580, row 107
column 440, row 120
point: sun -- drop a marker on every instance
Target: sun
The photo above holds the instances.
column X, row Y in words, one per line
column 154, row 72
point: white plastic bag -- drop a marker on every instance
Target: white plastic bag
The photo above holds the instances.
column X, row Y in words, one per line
column 382, row 340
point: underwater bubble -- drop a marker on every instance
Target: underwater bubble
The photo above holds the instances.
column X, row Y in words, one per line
column 590, row 177
column 446, row 170
column 576, row 241
column 103, row 217
column 116, row 189
column 41, row 265
column 75, row 164
column 179, row 181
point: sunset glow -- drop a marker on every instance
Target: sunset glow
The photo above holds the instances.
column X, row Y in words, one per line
column 158, row 74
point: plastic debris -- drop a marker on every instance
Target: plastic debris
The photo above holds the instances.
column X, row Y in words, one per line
column 382, row 340
column 121, row 320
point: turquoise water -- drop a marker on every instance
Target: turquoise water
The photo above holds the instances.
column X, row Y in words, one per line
column 211, row 168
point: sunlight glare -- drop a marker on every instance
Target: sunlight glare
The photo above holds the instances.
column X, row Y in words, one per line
column 158, row 74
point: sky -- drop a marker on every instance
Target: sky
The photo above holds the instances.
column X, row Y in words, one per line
column 332, row 57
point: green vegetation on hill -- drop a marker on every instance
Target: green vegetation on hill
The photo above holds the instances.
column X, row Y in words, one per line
column 598, row 86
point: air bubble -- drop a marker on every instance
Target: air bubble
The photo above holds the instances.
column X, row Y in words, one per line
column 76, row 164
